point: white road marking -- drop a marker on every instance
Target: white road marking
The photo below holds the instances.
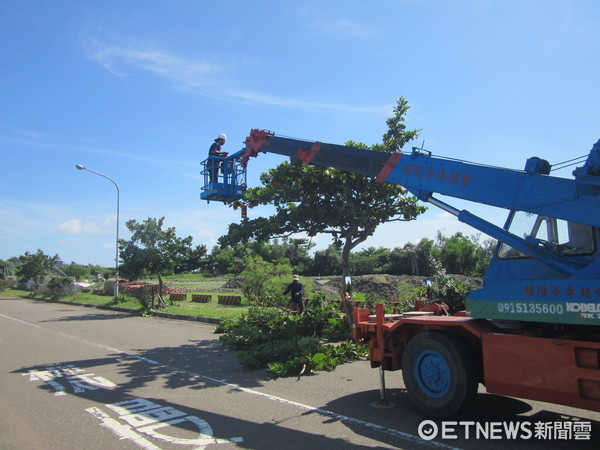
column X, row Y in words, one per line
column 341, row 417
column 146, row 417
column 121, row 430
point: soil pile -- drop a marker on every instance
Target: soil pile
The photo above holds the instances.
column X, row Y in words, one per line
column 382, row 286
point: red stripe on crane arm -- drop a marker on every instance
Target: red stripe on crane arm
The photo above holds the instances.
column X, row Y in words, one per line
column 306, row 156
column 388, row 167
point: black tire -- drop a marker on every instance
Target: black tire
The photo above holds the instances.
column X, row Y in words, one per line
column 439, row 373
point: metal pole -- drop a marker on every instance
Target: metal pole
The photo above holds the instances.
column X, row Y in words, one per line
column 381, row 384
column 382, row 403
column 116, row 288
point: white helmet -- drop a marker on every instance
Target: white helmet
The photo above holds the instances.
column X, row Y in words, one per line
column 222, row 136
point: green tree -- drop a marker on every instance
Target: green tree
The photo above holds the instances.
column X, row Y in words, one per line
column 232, row 258
column 77, row 271
column 7, row 268
column 484, row 252
column 35, row 266
column 227, row 259
column 153, row 250
column 326, row 262
column 464, row 255
column 399, row 262
column 270, row 251
column 99, row 271
column 425, row 257
column 371, row 260
column 458, row 254
column 194, row 261
column 313, row 200
column 297, row 251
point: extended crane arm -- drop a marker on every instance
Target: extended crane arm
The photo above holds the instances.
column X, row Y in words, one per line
column 531, row 190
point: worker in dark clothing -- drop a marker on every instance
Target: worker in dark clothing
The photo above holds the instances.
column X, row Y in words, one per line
column 213, row 164
column 297, row 291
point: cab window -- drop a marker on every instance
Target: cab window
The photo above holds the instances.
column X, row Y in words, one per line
column 568, row 238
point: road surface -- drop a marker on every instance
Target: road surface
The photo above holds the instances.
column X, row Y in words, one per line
column 73, row 377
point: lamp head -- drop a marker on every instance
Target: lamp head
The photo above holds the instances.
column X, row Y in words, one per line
column 79, row 166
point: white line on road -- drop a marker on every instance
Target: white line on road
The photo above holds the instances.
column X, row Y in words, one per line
column 325, row 412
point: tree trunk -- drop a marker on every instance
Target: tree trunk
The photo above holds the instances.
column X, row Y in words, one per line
column 346, row 257
column 161, row 300
column 347, row 305
column 349, row 244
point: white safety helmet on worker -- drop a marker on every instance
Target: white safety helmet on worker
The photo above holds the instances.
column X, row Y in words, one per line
column 222, row 136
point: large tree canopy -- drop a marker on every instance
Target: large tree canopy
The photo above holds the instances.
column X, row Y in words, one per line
column 312, row 200
column 156, row 251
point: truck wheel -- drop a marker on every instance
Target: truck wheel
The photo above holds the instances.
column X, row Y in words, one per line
column 439, row 373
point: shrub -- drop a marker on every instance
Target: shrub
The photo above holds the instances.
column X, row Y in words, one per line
column 57, row 287
column 328, row 358
column 448, row 289
column 407, row 296
column 287, row 344
column 263, row 282
column 122, row 298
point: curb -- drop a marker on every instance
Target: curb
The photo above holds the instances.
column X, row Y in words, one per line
column 134, row 312
column 184, row 317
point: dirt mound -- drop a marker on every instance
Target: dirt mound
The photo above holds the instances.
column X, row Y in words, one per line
column 233, row 283
column 383, row 286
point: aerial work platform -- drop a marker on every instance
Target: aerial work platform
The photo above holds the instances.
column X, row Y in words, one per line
column 224, row 178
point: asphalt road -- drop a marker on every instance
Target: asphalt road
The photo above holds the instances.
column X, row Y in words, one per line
column 73, row 377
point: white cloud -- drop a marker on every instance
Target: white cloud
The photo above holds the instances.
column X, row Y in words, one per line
column 204, row 233
column 203, row 77
column 76, row 226
column 72, row 226
column 91, row 228
column 325, row 24
column 185, row 72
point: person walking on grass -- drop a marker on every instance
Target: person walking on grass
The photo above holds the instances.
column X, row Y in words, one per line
column 296, row 290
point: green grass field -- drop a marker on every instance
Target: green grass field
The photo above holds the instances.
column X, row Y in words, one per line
column 211, row 309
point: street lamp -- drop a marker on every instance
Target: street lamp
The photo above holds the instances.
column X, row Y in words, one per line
column 116, row 289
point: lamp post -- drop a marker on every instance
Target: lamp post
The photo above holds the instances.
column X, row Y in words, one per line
column 116, row 289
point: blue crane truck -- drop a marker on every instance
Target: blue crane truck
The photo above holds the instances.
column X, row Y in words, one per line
column 533, row 329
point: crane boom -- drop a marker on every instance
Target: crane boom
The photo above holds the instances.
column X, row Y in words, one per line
column 531, row 190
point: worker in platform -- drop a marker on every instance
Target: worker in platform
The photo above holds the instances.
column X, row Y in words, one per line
column 213, row 165
column 296, row 290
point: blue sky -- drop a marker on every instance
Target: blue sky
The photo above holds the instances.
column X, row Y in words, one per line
column 138, row 90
